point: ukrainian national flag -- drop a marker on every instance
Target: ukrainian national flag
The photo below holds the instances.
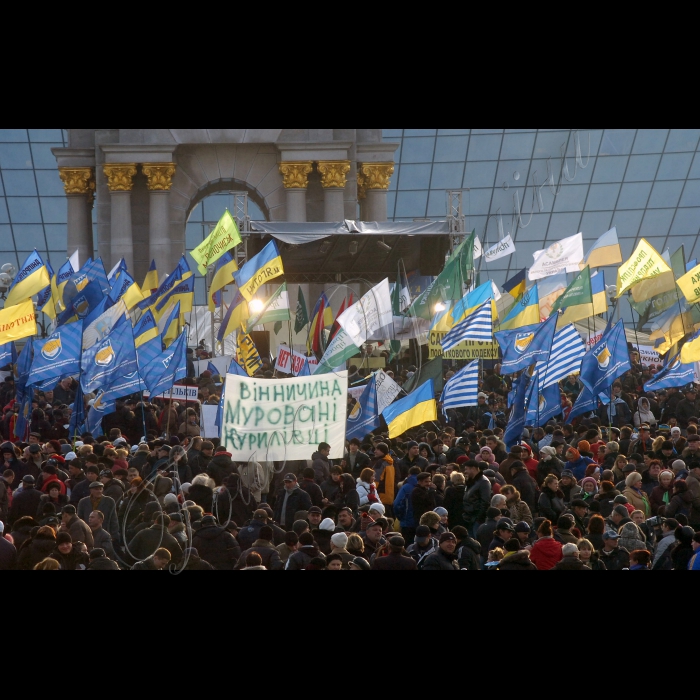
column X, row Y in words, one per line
column 468, row 305
column 125, row 287
column 182, row 294
column 44, row 300
column 170, row 327
column 259, row 270
column 31, row 279
column 416, row 409
column 525, row 312
column 516, row 286
column 320, row 319
column 223, row 275
column 605, row 251
column 58, row 283
column 150, row 282
column 146, row 329
column 600, row 297
column 236, row 316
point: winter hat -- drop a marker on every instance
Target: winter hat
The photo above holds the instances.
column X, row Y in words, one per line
column 339, row 540
column 170, row 499
column 327, row 525
column 423, row 531
column 462, row 459
column 377, row 508
column 675, row 430
column 266, row 533
column 584, row 446
column 70, row 456
column 567, row 473
column 361, row 563
column 185, row 488
column 410, row 445
column 64, row 538
column 590, row 480
column 442, row 512
column 548, row 452
column 522, row 527
column 382, row 448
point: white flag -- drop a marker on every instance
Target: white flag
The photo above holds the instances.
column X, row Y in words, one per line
column 500, row 250
column 387, row 390
column 563, row 256
column 478, row 250
column 369, row 314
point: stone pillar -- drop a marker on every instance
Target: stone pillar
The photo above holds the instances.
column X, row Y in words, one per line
column 296, row 180
column 376, row 178
column 120, row 182
column 333, row 180
column 79, row 184
column 362, row 195
column 160, row 180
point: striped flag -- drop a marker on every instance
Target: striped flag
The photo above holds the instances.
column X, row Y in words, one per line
column 478, row 326
column 566, row 356
column 462, row 390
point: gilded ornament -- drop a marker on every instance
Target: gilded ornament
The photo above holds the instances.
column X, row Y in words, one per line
column 120, row 176
column 296, row 174
column 377, row 176
column 333, row 173
column 160, row 175
column 76, row 180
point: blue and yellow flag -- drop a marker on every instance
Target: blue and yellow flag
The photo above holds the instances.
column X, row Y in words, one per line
column 32, row 277
column 525, row 312
column 526, row 346
column 146, row 329
column 248, row 356
column 171, row 365
column 58, row 355
column 600, row 297
column 468, row 304
column 109, row 359
column 148, row 351
column 170, row 327
column 182, row 294
column 608, row 360
column 516, row 285
column 259, row 270
column 125, row 287
column 417, row 408
column 150, row 282
column 58, row 284
column 605, row 251
column 225, row 269
column 236, row 316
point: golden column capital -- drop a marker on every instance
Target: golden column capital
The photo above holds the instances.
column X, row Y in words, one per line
column 376, row 176
column 120, row 176
column 333, row 173
column 361, row 186
column 296, row 174
column 160, row 175
column 77, row 180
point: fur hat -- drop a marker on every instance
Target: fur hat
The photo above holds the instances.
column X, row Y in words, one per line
column 431, row 519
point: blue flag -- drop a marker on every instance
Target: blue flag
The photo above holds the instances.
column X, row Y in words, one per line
column 24, row 417
column 526, row 346
column 77, row 418
column 105, row 305
column 171, row 365
column 8, row 354
column 305, row 371
column 112, row 357
column 149, row 351
column 22, row 369
column 544, row 405
column 585, row 403
column 674, row 374
column 516, row 422
column 364, row 417
column 115, row 273
column 58, row 355
column 82, row 303
column 211, row 367
column 236, row 369
column 99, row 409
column 608, row 360
column 124, row 386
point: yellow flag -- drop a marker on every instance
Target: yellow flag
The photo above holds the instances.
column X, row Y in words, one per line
column 690, row 285
column 679, row 327
column 690, row 352
column 249, row 358
column 17, row 322
column 646, row 262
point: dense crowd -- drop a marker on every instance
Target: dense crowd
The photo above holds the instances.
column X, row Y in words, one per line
column 616, row 489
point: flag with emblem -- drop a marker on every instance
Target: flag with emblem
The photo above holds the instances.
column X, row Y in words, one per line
column 674, row 374
column 364, row 417
column 32, row 277
column 58, row 355
column 161, row 374
column 8, row 354
column 608, row 360
column 526, row 346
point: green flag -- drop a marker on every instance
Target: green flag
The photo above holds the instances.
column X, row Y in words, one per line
column 224, row 237
column 578, row 292
column 278, row 327
column 302, row 318
column 401, row 296
column 276, row 309
column 340, row 350
column 449, row 285
column 431, row 370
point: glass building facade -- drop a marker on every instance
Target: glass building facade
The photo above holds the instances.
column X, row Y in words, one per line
column 539, row 185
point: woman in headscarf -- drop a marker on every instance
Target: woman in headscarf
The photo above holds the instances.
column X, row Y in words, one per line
column 629, row 538
column 549, row 464
column 681, row 500
column 425, row 451
column 661, row 495
column 527, row 459
column 644, row 414
column 486, row 455
column 635, row 495
column 589, row 489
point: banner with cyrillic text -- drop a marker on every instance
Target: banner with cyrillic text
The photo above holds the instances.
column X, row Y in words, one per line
column 284, row 419
column 286, row 363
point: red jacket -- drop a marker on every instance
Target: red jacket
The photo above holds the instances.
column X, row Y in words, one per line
column 546, row 553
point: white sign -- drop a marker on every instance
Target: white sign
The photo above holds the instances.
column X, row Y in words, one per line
column 501, row 250
column 369, row 314
column 285, row 363
column 284, row 419
column 562, row 256
column 387, row 390
column 648, row 355
column 209, row 429
column 478, row 250
column 180, row 392
column 222, row 363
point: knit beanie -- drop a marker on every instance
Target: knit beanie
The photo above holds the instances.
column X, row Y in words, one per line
column 378, row 508
column 170, row 498
column 339, row 540
column 327, row 525
column 576, row 453
column 584, row 446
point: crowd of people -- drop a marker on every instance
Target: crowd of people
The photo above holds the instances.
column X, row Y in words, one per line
column 615, row 489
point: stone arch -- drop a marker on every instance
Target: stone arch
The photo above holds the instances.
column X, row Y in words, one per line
column 229, row 186
column 206, row 168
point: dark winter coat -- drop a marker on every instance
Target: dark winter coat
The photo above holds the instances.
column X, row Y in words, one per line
column 195, row 563
column 8, row 555
column 403, row 504
column 615, row 560
column 477, row 499
column 35, row 551
column 21, row 531
column 202, row 496
column 73, row 561
column 80, row 532
column 330, row 489
column 544, row 469
column 148, row 541
column 362, row 461
column 103, row 564
column 217, row 546
column 394, row 562
column 571, row 563
column 347, row 496
column 469, row 555
column 58, row 505
column 403, row 466
column 314, row 491
column 523, row 482
column 440, row 561
column 25, row 503
column 551, row 504
column 132, row 507
column 454, row 505
column 297, row 500
column 423, row 501
column 221, row 467
column 234, row 503
column 607, row 502
column 107, row 507
column 302, row 558
column 270, row 556
column 518, row 561
column 321, row 466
